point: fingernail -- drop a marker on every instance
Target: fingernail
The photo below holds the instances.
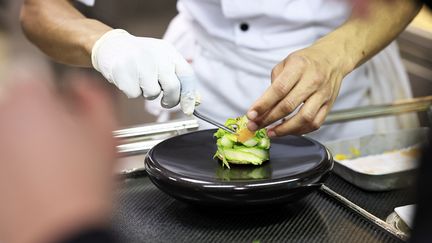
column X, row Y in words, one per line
column 252, row 115
column 271, row 134
column 252, row 126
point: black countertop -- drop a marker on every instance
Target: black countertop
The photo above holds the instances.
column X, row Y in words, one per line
column 145, row 214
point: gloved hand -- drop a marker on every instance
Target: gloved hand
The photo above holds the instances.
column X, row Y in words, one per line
column 147, row 66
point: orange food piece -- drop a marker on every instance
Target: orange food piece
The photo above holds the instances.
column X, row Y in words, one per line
column 244, row 134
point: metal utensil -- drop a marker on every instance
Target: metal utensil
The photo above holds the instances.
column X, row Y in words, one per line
column 211, row 121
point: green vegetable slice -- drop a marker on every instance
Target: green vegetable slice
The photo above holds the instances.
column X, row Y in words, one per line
column 240, row 157
column 251, row 142
column 263, row 154
column 252, row 151
column 226, row 142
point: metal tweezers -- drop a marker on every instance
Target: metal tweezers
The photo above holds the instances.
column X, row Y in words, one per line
column 211, row 121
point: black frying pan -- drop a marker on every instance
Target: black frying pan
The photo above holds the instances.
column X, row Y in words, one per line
column 183, row 167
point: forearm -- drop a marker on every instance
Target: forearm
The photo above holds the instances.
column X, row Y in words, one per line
column 361, row 37
column 61, row 31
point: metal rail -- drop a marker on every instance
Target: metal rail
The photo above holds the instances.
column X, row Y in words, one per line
column 404, row 106
column 140, row 139
column 156, row 128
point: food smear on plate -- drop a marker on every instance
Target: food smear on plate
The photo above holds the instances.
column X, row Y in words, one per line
column 244, row 147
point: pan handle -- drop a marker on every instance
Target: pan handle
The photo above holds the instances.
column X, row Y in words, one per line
column 372, row 218
column 315, row 185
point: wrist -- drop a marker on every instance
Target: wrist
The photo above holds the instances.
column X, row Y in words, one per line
column 98, row 40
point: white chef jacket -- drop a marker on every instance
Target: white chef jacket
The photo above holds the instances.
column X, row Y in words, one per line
column 233, row 62
column 266, row 24
column 234, row 44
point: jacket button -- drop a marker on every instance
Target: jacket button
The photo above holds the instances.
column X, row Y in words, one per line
column 244, row 26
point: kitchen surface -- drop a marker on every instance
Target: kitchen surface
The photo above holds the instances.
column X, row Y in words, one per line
column 173, row 187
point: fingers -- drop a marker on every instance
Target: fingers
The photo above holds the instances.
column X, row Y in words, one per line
column 296, row 97
column 305, row 86
column 187, row 80
column 281, row 86
column 187, row 95
column 298, row 80
column 310, row 118
column 170, row 85
column 164, row 70
column 148, row 81
column 276, row 71
column 125, row 78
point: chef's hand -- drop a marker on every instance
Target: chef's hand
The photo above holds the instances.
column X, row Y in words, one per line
column 147, row 66
column 308, row 76
column 57, row 155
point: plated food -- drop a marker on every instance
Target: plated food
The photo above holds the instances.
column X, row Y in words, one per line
column 244, row 147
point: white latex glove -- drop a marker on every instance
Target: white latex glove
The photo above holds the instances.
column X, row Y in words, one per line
column 147, row 66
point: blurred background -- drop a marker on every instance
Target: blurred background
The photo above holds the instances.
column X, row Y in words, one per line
column 150, row 18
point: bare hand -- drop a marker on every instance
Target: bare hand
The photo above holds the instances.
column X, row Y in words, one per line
column 309, row 77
